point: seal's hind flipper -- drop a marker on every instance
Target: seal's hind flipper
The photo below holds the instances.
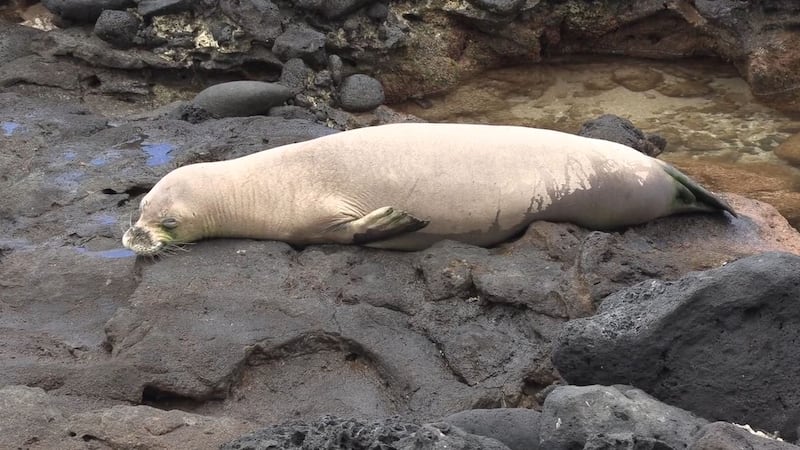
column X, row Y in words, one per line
column 694, row 197
column 381, row 224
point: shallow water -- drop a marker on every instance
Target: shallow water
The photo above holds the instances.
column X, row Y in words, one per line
column 703, row 108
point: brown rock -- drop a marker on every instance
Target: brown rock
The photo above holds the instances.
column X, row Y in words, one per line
column 789, row 150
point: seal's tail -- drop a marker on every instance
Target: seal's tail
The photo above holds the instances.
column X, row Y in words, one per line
column 694, row 196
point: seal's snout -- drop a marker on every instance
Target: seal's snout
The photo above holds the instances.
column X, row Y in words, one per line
column 141, row 241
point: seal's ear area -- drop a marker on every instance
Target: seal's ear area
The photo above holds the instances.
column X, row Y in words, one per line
column 694, row 196
column 378, row 225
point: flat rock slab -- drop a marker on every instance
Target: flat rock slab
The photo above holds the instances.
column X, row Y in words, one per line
column 720, row 343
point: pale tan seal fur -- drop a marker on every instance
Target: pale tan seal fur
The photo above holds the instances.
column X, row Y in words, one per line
column 406, row 186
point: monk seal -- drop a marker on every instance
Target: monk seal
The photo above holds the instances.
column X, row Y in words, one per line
column 406, row 186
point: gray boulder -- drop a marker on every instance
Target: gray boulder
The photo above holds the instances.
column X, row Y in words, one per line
column 360, row 92
column 301, row 42
column 517, row 428
column 85, row 11
column 718, row 343
column 241, row 98
column 613, row 417
column 118, row 28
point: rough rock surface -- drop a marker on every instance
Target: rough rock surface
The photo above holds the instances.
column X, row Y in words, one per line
column 360, row 92
column 392, row 433
column 613, row 417
column 712, row 342
column 118, row 28
column 516, row 428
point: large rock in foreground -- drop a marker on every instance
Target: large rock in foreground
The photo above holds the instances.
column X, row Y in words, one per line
column 720, row 343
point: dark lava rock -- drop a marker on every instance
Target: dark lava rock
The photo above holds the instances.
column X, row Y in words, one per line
column 260, row 18
column 516, row 428
column 378, row 11
column 296, row 75
column 720, row 343
column 613, row 417
column 332, row 8
column 241, row 98
column 85, row 11
column 335, row 65
column 301, row 42
column 118, row 28
column 502, row 7
column 724, row 436
column 360, row 92
column 617, row 129
column 15, row 41
column 354, row 434
column 149, row 8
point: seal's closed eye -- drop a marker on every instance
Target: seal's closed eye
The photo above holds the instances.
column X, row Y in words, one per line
column 169, row 222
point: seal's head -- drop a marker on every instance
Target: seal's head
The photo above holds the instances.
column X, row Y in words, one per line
column 169, row 216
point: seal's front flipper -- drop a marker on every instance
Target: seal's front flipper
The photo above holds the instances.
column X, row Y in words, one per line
column 692, row 196
column 381, row 224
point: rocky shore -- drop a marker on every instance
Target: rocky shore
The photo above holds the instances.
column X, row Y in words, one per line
column 680, row 333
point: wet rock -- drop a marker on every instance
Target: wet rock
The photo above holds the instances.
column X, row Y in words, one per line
column 332, row 8
column 617, row 129
column 149, row 8
column 118, row 28
column 516, row 428
column 241, row 98
column 721, row 436
column 84, row 11
column 334, row 432
column 260, row 18
column 301, row 42
column 613, row 417
column 360, row 92
column 789, row 150
column 714, row 343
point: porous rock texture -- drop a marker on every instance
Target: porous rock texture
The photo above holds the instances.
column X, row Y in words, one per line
column 717, row 343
